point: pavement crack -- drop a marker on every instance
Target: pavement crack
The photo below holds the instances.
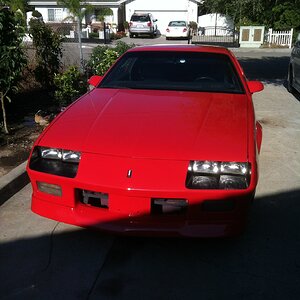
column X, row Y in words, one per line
column 50, row 248
column 107, row 256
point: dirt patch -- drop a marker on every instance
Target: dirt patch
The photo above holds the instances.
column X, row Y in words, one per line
column 23, row 131
column 15, row 148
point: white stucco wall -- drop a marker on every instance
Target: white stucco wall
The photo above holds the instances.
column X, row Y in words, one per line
column 164, row 11
column 210, row 20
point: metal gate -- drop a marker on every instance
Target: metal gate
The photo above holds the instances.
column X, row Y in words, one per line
column 216, row 35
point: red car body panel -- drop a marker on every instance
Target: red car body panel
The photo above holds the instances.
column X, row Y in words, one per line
column 154, row 134
column 177, row 125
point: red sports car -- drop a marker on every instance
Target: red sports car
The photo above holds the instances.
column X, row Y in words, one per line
column 165, row 144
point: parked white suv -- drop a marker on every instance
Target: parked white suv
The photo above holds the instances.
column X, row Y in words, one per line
column 142, row 24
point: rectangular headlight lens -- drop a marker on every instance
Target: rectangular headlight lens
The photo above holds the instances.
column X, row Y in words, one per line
column 234, row 168
column 60, row 154
column 205, row 167
column 230, row 182
column 50, row 153
column 205, row 182
column 218, row 175
column 71, row 156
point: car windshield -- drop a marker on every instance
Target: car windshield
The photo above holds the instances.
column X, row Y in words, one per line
column 169, row 70
column 142, row 18
column 177, row 24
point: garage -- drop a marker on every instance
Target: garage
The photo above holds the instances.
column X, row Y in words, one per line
column 185, row 10
column 164, row 17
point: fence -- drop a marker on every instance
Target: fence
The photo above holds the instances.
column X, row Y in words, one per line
column 216, row 35
column 280, row 38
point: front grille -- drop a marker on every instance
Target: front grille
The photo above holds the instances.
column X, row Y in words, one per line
column 162, row 206
column 96, row 199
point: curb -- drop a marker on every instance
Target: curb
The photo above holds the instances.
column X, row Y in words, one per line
column 12, row 182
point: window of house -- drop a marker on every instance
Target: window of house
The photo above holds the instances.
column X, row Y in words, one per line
column 54, row 14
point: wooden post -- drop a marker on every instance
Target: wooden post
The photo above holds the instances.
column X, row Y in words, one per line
column 291, row 38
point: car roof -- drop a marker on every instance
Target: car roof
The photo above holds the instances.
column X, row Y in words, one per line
column 182, row 48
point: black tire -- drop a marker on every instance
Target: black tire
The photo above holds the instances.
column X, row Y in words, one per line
column 131, row 35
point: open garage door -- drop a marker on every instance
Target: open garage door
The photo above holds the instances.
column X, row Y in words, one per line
column 165, row 16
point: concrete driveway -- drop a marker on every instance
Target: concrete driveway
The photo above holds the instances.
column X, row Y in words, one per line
column 43, row 259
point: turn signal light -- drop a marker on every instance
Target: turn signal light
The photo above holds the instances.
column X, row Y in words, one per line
column 49, row 188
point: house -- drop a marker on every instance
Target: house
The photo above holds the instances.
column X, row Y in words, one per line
column 51, row 12
column 163, row 11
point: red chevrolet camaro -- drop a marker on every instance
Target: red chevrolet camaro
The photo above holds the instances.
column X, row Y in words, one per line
column 165, row 144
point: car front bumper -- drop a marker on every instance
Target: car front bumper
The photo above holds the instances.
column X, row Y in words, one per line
column 131, row 214
column 131, row 200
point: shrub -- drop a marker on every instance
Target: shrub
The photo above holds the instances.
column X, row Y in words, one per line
column 69, row 86
column 103, row 57
column 122, row 47
column 118, row 35
column 12, row 56
column 95, row 59
column 94, row 35
column 36, row 14
column 48, row 46
column 108, row 59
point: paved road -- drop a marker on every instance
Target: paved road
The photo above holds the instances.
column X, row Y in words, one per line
column 43, row 259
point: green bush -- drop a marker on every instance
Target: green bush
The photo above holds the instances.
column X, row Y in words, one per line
column 69, row 86
column 48, row 49
column 95, row 59
column 94, row 35
column 36, row 14
column 122, row 47
column 103, row 57
column 108, row 59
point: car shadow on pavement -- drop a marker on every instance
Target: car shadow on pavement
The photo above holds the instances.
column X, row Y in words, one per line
column 267, row 69
column 263, row 263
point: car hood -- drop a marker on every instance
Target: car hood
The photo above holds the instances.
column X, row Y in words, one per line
column 154, row 124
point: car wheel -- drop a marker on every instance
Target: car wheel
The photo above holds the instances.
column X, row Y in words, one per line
column 290, row 87
column 167, row 38
column 130, row 35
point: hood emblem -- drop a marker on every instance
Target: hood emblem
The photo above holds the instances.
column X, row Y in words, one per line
column 129, row 173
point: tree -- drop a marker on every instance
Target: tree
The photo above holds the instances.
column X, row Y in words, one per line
column 278, row 14
column 78, row 10
column 18, row 5
column 102, row 12
column 12, row 57
column 48, row 51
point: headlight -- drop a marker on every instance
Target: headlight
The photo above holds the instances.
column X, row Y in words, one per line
column 51, row 153
column 218, row 175
column 60, row 154
column 55, row 161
